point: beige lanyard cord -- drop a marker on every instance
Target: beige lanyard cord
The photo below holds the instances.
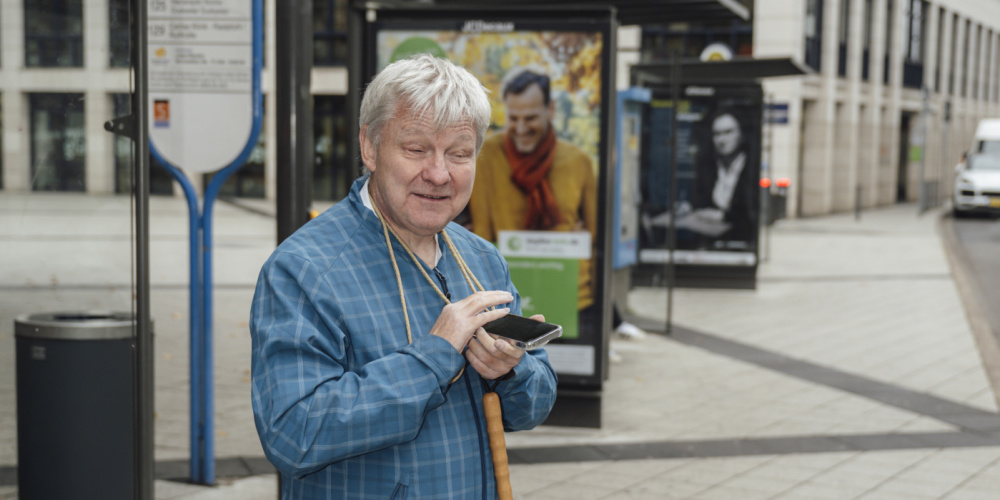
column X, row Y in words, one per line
column 470, row 278
column 491, row 401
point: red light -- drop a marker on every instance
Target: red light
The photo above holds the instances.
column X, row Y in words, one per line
column 765, row 183
column 784, row 182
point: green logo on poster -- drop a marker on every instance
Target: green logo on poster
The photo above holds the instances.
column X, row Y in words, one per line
column 514, row 243
column 417, row 45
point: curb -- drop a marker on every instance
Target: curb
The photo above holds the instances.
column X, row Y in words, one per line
column 987, row 335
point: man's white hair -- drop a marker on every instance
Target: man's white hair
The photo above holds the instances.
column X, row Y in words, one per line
column 425, row 84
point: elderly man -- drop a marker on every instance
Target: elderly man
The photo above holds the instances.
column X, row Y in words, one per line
column 369, row 361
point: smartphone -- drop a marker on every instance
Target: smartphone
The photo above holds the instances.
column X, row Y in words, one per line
column 522, row 332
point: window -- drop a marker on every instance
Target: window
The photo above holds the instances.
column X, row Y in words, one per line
column 58, row 142
column 53, row 33
column 866, row 40
column 964, row 70
column 333, row 173
column 987, row 68
column 977, row 53
column 954, row 54
column 118, row 33
column 995, row 82
column 942, row 18
column 913, row 55
column 890, row 12
column 843, row 34
column 814, row 33
column 330, row 32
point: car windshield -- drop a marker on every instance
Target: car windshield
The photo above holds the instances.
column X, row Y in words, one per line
column 989, row 146
column 985, row 162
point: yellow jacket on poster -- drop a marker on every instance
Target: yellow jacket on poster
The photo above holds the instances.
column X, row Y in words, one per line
column 497, row 204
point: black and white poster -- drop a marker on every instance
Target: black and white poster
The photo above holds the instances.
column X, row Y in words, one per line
column 718, row 169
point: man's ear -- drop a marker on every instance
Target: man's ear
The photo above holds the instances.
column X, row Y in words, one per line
column 367, row 149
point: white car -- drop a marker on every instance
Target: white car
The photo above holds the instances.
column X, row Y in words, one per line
column 977, row 186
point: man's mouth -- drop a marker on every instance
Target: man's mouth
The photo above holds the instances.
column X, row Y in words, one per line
column 431, row 197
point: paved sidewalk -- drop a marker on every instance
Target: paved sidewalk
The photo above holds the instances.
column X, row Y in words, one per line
column 851, row 372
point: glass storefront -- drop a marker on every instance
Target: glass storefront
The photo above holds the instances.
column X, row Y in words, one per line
column 58, row 142
column 332, row 173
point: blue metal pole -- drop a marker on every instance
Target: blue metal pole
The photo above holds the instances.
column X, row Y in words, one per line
column 196, row 316
column 211, row 194
column 202, row 460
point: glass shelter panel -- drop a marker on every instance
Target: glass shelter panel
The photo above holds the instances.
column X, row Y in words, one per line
column 67, row 233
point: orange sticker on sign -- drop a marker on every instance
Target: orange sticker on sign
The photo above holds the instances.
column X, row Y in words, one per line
column 161, row 113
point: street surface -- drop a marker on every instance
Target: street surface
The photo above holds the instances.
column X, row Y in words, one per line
column 856, row 369
column 979, row 240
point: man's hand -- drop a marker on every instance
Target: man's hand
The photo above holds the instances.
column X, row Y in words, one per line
column 492, row 357
column 460, row 320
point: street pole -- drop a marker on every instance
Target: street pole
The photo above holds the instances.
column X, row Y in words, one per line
column 922, row 137
column 675, row 90
column 142, row 385
column 294, row 111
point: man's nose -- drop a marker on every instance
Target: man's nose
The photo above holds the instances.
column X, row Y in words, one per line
column 521, row 127
column 436, row 170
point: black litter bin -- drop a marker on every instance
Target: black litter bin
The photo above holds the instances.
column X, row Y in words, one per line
column 74, row 405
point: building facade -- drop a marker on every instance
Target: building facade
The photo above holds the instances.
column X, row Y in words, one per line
column 64, row 72
column 898, row 88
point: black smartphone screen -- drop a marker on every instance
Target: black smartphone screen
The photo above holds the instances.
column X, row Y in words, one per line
column 518, row 328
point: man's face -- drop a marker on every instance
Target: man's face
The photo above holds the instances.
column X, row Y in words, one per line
column 528, row 118
column 726, row 135
column 421, row 177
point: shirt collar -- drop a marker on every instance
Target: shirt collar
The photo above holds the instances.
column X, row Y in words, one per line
column 366, row 199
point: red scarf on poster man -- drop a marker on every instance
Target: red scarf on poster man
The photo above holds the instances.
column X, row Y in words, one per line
column 531, row 173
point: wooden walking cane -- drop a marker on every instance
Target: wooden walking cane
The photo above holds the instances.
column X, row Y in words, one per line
column 498, row 445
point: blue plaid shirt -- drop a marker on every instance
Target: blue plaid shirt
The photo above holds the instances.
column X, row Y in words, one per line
column 344, row 406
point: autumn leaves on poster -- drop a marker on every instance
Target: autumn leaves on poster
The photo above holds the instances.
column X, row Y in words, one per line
column 572, row 59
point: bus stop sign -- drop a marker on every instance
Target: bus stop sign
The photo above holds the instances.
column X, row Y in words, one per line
column 200, row 81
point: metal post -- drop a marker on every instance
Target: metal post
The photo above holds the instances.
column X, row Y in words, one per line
column 142, row 414
column 857, row 202
column 923, row 202
column 945, row 149
column 765, row 193
column 294, row 111
column 675, row 90
column 356, row 76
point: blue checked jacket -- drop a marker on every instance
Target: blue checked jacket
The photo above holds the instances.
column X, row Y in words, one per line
column 345, row 408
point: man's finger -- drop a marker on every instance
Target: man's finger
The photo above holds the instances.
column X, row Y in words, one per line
column 481, row 301
column 487, row 316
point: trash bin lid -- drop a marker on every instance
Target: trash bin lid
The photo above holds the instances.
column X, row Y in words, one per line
column 76, row 325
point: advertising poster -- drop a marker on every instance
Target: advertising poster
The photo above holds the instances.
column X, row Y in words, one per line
column 718, row 171
column 538, row 190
